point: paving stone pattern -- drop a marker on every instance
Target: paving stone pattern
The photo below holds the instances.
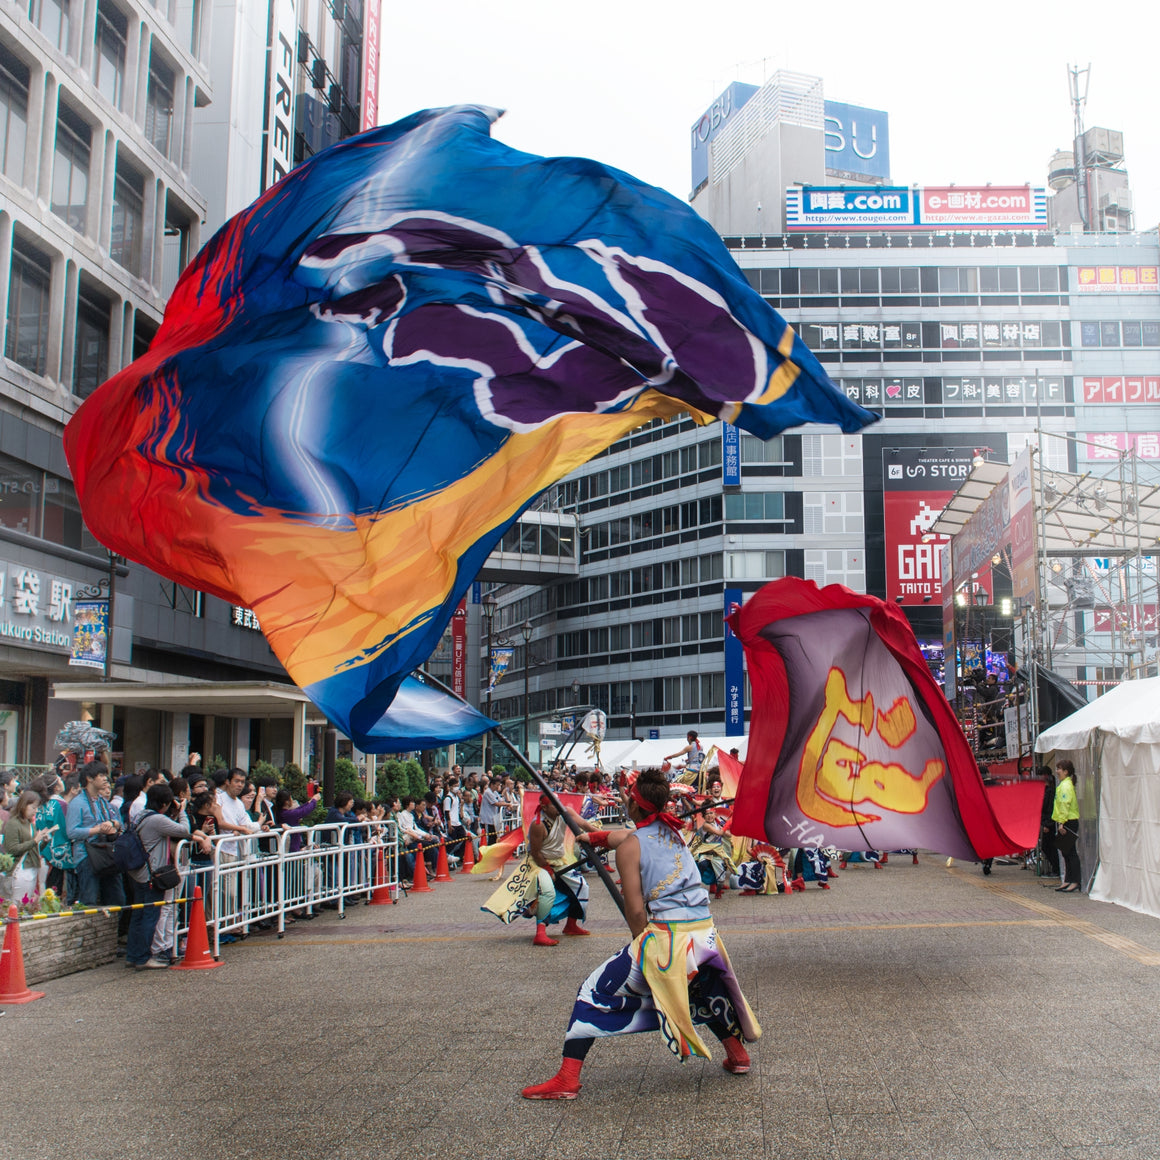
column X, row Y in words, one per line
column 916, row 1011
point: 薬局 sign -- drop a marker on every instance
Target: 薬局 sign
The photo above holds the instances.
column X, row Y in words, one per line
column 983, row 207
column 857, row 141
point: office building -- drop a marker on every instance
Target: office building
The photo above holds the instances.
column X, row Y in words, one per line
column 953, row 312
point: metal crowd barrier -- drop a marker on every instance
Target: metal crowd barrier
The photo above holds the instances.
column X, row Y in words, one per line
column 254, row 878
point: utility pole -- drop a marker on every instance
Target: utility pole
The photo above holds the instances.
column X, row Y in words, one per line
column 1075, row 77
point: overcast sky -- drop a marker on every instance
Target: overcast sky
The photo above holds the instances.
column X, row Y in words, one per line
column 976, row 92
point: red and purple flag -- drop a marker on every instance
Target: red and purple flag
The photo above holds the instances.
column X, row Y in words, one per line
column 852, row 743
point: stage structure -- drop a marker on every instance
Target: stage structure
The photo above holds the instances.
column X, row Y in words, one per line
column 1054, row 571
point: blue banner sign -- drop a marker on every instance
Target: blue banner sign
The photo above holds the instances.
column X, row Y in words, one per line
column 711, row 122
column 850, row 207
column 730, row 455
column 734, row 673
column 857, row 141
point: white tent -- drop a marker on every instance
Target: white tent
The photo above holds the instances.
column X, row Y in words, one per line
column 1117, row 739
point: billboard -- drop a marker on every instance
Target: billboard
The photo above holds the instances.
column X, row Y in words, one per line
column 989, row 207
column 734, row 671
column 1120, row 389
column 857, row 142
column 281, row 67
column 839, row 207
column 370, row 52
column 896, row 207
column 730, row 455
column 710, row 123
column 1116, row 279
column 917, row 483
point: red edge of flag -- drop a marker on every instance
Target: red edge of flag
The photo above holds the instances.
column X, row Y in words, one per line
column 792, row 596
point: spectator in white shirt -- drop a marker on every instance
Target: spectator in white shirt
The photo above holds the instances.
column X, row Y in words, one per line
column 234, row 818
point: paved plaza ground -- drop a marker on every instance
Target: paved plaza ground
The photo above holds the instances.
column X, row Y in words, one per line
column 916, row 1011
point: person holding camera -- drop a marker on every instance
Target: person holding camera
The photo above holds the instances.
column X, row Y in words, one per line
column 91, row 821
column 157, row 829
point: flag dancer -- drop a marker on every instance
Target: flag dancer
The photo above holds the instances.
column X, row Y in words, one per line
column 675, row 974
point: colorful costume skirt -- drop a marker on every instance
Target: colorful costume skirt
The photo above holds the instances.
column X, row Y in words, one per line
column 672, row 977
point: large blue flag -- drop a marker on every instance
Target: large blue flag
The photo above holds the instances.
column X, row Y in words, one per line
column 365, row 377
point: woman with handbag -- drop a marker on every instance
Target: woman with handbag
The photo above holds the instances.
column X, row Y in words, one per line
column 156, row 831
column 22, row 842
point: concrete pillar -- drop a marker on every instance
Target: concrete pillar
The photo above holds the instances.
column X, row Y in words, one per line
column 298, row 744
column 116, row 335
column 38, row 80
column 241, row 753
column 155, row 268
column 87, row 37
column 69, row 334
column 207, row 743
column 179, row 741
column 5, row 272
column 95, row 201
column 136, row 71
column 56, row 311
column 42, row 181
column 105, row 227
column 372, row 770
column 106, row 722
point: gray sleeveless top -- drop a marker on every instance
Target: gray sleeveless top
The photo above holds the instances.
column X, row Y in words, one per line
column 673, row 891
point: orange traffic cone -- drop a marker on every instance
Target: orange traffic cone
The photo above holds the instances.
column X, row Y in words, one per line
column 442, row 870
column 468, row 856
column 382, row 895
column 420, row 886
column 13, row 988
column 198, row 956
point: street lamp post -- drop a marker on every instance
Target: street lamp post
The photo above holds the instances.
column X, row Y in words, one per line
column 526, row 632
column 489, row 603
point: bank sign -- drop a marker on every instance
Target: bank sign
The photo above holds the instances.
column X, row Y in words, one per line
column 36, row 608
column 893, row 207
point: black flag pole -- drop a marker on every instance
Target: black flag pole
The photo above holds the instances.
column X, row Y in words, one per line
column 545, row 789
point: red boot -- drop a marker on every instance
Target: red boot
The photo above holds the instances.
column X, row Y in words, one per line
column 737, row 1058
column 564, row 1085
column 831, row 872
column 823, row 884
column 541, row 939
column 799, row 883
column 573, row 927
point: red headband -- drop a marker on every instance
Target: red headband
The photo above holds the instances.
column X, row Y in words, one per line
column 654, row 815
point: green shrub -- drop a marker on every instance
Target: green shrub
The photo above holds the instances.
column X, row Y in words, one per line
column 265, row 769
column 416, row 778
column 391, row 780
column 347, row 777
column 217, row 762
column 294, row 780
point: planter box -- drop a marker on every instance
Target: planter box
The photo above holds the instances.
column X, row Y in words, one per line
column 54, row 947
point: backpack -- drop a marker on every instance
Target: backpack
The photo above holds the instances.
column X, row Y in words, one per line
column 128, row 850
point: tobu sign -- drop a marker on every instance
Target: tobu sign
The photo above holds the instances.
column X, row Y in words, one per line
column 710, row 123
